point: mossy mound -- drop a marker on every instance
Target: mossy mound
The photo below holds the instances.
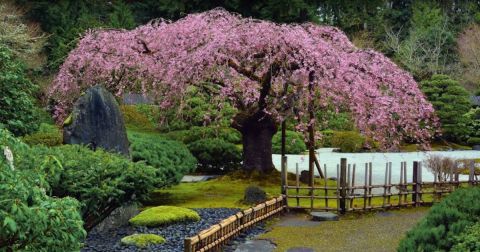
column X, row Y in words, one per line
column 142, row 240
column 162, row 215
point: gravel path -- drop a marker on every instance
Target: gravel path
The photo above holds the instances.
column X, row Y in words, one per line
column 174, row 234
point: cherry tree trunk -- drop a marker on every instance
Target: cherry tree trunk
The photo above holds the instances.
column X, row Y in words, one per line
column 257, row 132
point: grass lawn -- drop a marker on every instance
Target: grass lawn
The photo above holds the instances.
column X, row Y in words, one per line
column 354, row 232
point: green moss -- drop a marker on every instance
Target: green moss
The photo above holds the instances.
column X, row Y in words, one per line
column 370, row 232
column 162, row 215
column 68, row 121
column 142, row 240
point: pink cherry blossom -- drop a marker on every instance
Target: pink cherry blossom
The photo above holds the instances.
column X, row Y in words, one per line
column 232, row 56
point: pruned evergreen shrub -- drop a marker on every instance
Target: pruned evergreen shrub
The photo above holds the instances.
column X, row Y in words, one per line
column 294, row 143
column 216, row 156
column 439, row 229
column 171, row 159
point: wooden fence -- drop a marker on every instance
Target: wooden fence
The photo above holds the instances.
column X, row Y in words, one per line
column 348, row 193
column 215, row 237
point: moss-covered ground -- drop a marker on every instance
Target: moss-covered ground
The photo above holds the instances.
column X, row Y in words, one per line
column 380, row 231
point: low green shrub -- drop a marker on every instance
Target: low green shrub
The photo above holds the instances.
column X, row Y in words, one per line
column 162, row 215
column 142, row 240
column 294, row 143
column 30, row 220
column 171, row 159
column 135, row 119
column 197, row 133
column 439, row 229
column 348, row 141
column 473, row 141
column 215, row 155
column 468, row 240
column 48, row 135
column 18, row 113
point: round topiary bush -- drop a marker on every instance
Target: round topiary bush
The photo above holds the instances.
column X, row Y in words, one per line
column 172, row 159
column 294, row 143
column 348, row 141
column 216, row 156
column 142, row 240
column 163, row 215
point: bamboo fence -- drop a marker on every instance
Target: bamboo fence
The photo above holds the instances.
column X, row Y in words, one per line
column 350, row 195
column 215, row 237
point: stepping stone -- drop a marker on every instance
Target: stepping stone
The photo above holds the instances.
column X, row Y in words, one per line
column 300, row 249
column 256, row 245
column 324, row 216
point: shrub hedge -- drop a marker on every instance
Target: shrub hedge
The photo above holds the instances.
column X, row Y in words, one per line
column 134, row 119
column 468, row 240
column 294, row 143
column 48, row 135
column 438, row 231
column 197, row 133
column 215, row 156
column 30, row 220
column 171, row 159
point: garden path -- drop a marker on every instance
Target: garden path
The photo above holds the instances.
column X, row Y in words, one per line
column 380, row 231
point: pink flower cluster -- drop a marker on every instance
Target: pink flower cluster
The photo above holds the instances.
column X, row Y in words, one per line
column 255, row 65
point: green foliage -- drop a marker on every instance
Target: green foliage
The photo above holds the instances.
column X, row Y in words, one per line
column 163, row 215
column 468, row 240
column 348, row 141
column 48, row 135
column 29, row 219
column 17, row 107
column 439, row 229
column 429, row 47
column 171, row 159
column 473, row 141
column 142, row 240
column 197, row 110
column 134, row 119
column 198, row 133
column 215, row 155
column 451, row 102
column 294, row 143
column 121, row 16
column 101, row 181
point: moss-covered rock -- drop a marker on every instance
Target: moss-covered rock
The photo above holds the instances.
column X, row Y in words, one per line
column 142, row 240
column 162, row 215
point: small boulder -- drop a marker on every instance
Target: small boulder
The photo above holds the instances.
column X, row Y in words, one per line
column 304, row 177
column 254, row 195
column 96, row 121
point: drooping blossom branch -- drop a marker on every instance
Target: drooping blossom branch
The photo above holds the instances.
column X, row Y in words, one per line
column 251, row 61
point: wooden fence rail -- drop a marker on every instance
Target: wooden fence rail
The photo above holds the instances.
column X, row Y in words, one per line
column 348, row 193
column 215, row 237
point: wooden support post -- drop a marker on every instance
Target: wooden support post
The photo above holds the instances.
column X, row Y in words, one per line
column 471, row 174
column 284, row 175
column 417, row 181
column 297, row 182
column 326, row 185
column 343, row 184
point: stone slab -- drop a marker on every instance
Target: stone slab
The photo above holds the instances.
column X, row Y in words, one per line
column 324, row 216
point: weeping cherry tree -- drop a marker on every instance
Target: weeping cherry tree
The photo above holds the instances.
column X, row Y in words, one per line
column 267, row 71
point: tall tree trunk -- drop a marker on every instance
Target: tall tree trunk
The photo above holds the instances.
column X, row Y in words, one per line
column 257, row 132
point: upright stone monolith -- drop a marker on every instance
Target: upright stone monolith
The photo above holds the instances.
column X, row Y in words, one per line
column 96, row 121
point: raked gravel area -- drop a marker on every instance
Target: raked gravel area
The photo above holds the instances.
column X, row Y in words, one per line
column 109, row 240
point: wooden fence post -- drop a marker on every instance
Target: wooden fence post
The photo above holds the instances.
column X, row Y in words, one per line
column 343, row 184
column 471, row 174
column 284, row 175
column 417, row 181
column 188, row 245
